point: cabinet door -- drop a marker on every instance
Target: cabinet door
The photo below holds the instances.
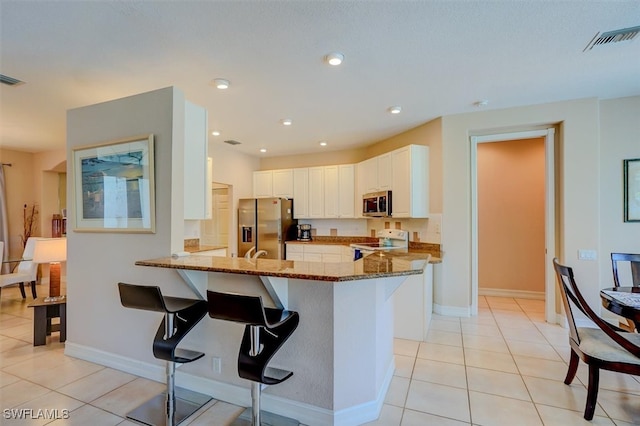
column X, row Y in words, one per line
column 196, row 182
column 283, row 183
column 301, row 193
column 410, row 171
column 346, row 191
column 401, row 173
column 316, row 192
column 331, row 191
column 369, row 174
column 263, row 184
column 385, row 179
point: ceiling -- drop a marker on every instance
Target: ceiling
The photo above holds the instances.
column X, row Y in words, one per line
column 433, row 58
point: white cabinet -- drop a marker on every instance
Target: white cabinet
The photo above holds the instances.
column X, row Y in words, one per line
column 331, row 191
column 273, row 183
column 410, row 182
column 385, row 182
column 368, row 176
column 316, row 192
column 283, row 183
column 263, row 184
column 301, row 193
column 326, row 253
column 197, row 170
column 347, row 191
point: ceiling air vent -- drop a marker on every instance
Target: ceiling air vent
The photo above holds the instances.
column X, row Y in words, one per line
column 232, row 142
column 10, row 81
column 625, row 34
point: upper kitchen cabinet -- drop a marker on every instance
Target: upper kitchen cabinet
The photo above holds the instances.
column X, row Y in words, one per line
column 347, row 191
column 301, row 193
column 197, row 165
column 374, row 174
column 316, row 192
column 263, row 184
column 273, row 183
column 410, row 181
column 283, row 183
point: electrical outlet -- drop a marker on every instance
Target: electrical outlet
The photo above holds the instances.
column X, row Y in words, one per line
column 587, row 254
column 216, row 364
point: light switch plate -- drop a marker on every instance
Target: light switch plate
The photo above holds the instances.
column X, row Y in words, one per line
column 584, row 254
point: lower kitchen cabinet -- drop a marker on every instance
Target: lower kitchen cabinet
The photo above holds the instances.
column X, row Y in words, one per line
column 327, row 253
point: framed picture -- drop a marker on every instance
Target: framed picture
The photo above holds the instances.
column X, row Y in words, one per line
column 632, row 190
column 114, row 186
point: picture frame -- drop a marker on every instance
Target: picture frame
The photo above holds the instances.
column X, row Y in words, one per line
column 631, row 174
column 114, row 186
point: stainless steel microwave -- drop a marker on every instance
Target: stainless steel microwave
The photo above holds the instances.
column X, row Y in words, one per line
column 377, row 204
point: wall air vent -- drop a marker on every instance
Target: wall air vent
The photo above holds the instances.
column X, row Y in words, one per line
column 10, row 81
column 616, row 36
column 232, row 142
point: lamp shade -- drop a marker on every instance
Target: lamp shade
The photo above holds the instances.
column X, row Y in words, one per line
column 50, row 250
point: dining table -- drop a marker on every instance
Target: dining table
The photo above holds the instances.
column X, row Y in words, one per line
column 623, row 301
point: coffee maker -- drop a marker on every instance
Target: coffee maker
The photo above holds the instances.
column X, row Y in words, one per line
column 304, row 232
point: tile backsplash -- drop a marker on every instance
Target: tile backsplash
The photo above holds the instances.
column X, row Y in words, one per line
column 420, row 230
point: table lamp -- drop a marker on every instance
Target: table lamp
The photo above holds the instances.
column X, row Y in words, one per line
column 51, row 251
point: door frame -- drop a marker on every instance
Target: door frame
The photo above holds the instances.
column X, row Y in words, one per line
column 549, row 215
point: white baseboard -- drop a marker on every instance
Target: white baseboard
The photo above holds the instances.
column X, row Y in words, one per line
column 305, row 413
column 516, row 294
column 452, row 311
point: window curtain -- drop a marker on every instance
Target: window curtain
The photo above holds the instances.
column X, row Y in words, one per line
column 4, row 228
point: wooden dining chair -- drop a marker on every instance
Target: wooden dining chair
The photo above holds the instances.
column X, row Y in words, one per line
column 606, row 347
column 634, row 263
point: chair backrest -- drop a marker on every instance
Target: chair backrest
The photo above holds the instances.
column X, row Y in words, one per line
column 571, row 295
column 236, row 307
column 634, row 262
column 28, row 266
column 145, row 297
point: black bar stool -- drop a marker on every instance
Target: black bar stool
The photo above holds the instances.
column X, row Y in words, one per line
column 265, row 331
column 180, row 316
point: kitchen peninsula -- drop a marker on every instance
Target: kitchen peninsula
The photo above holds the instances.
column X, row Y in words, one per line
column 342, row 352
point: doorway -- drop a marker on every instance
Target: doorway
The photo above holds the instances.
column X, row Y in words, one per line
column 215, row 231
column 481, row 237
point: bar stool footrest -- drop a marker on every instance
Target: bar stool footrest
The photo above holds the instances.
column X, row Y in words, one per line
column 276, row 374
column 153, row 412
column 266, row 419
column 186, row 355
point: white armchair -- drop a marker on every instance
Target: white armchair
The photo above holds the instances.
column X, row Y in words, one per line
column 26, row 272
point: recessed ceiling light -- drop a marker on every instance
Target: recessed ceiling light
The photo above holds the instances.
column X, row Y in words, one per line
column 395, row 109
column 480, row 104
column 215, row 133
column 334, row 58
column 323, row 143
column 263, row 150
column 286, row 122
column 221, row 83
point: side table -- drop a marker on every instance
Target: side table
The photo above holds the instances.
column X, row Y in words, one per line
column 46, row 308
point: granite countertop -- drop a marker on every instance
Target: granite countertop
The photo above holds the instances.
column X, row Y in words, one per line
column 377, row 265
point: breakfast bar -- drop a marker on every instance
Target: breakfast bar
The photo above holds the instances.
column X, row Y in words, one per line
column 341, row 354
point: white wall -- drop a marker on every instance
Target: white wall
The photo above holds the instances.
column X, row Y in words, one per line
column 579, row 226
column 98, row 261
column 619, row 140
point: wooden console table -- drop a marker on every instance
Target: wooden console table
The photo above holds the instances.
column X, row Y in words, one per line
column 46, row 308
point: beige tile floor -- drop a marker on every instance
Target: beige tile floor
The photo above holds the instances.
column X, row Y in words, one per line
column 503, row 367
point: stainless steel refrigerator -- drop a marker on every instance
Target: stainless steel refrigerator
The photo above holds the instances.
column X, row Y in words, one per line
column 265, row 224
